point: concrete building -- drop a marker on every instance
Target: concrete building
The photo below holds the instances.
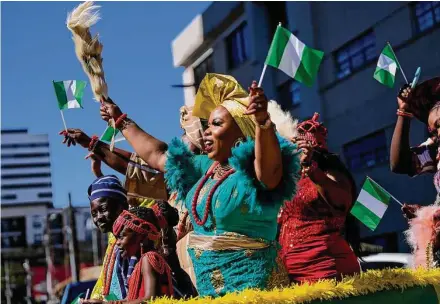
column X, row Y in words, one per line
column 26, row 190
column 234, row 38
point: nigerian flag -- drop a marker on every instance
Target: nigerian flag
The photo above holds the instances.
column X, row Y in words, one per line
column 69, row 93
column 108, row 134
column 386, row 67
column 371, row 204
column 293, row 57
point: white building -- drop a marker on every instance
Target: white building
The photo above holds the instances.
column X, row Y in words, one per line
column 26, row 187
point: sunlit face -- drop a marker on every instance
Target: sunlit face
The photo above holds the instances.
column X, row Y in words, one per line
column 434, row 121
column 221, row 134
column 129, row 243
column 104, row 212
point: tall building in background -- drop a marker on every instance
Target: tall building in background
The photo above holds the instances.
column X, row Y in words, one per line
column 26, row 187
column 234, row 38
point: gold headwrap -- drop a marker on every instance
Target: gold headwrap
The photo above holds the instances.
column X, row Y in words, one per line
column 192, row 126
column 224, row 90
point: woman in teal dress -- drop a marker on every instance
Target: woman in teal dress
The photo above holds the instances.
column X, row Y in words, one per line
column 233, row 193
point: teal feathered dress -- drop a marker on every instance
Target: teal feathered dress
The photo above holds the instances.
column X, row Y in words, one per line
column 236, row 248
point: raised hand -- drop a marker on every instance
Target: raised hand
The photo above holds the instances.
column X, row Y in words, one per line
column 75, row 136
column 96, row 162
column 109, row 110
column 306, row 151
column 402, row 98
column 257, row 104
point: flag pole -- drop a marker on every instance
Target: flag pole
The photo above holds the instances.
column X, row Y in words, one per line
column 398, row 63
column 262, row 75
column 386, row 191
column 64, row 121
column 264, row 69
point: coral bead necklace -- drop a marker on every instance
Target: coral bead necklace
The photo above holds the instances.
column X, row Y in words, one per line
column 223, row 173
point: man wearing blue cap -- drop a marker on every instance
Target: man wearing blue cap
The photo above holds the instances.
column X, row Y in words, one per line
column 108, row 199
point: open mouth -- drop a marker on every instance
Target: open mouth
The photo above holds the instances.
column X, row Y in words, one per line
column 208, row 145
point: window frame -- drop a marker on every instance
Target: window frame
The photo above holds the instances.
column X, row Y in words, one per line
column 363, row 155
column 239, row 31
column 347, row 48
column 208, row 62
column 415, row 18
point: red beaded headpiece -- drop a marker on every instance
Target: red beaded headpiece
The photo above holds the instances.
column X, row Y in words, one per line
column 129, row 220
column 314, row 132
column 163, row 223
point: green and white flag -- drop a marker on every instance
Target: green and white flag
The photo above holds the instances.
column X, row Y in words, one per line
column 69, row 93
column 386, row 67
column 108, row 134
column 293, row 57
column 371, row 204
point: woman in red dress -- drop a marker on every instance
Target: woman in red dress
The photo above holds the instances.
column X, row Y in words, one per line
column 312, row 224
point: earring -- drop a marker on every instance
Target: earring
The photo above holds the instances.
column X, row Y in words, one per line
column 238, row 142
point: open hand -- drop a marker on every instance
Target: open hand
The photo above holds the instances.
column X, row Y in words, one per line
column 257, row 104
column 75, row 136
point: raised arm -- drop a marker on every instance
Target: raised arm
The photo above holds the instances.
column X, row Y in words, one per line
column 268, row 163
column 400, row 155
column 117, row 160
column 150, row 149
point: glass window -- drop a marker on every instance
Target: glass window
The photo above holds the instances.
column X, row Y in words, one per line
column 37, row 221
column 238, row 46
column 295, row 93
column 367, row 152
column 38, row 239
column 206, row 66
column 426, row 14
column 355, row 54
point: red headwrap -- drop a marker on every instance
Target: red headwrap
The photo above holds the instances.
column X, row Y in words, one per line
column 129, row 220
column 314, row 132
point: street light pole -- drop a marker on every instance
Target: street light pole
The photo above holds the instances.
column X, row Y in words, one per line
column 73, row 242
column 8, row 283
column 27, row 268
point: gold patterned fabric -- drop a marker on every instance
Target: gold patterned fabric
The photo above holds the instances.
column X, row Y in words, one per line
column 143, row 185
column 224, row 90
column 226, row 241
column 99, row 286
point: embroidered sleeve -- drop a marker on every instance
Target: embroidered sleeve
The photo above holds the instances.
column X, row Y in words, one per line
column 97, row 292
column 183, row 169
column 243, row 162
column 423, row 158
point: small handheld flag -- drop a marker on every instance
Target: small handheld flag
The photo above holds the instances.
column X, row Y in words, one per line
column 69, row 95
column 387, row 66
column 108, row 134
column 371, row 204
column 293, row 57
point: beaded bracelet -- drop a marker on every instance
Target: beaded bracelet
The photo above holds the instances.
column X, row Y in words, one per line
column 404, row 114
column 119, row 120
column 93, row 142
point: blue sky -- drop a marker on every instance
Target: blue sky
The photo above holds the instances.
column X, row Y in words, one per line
column 37, row 48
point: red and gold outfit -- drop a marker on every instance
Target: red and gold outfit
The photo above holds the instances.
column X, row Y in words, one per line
column 313, row 247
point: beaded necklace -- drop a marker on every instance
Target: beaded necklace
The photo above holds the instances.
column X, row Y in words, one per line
column 210, row 173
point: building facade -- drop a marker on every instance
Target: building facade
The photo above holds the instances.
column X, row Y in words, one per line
column 26, row 190
column 234, row 38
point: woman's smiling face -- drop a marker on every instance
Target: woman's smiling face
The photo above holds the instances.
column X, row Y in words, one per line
column 221, row 134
